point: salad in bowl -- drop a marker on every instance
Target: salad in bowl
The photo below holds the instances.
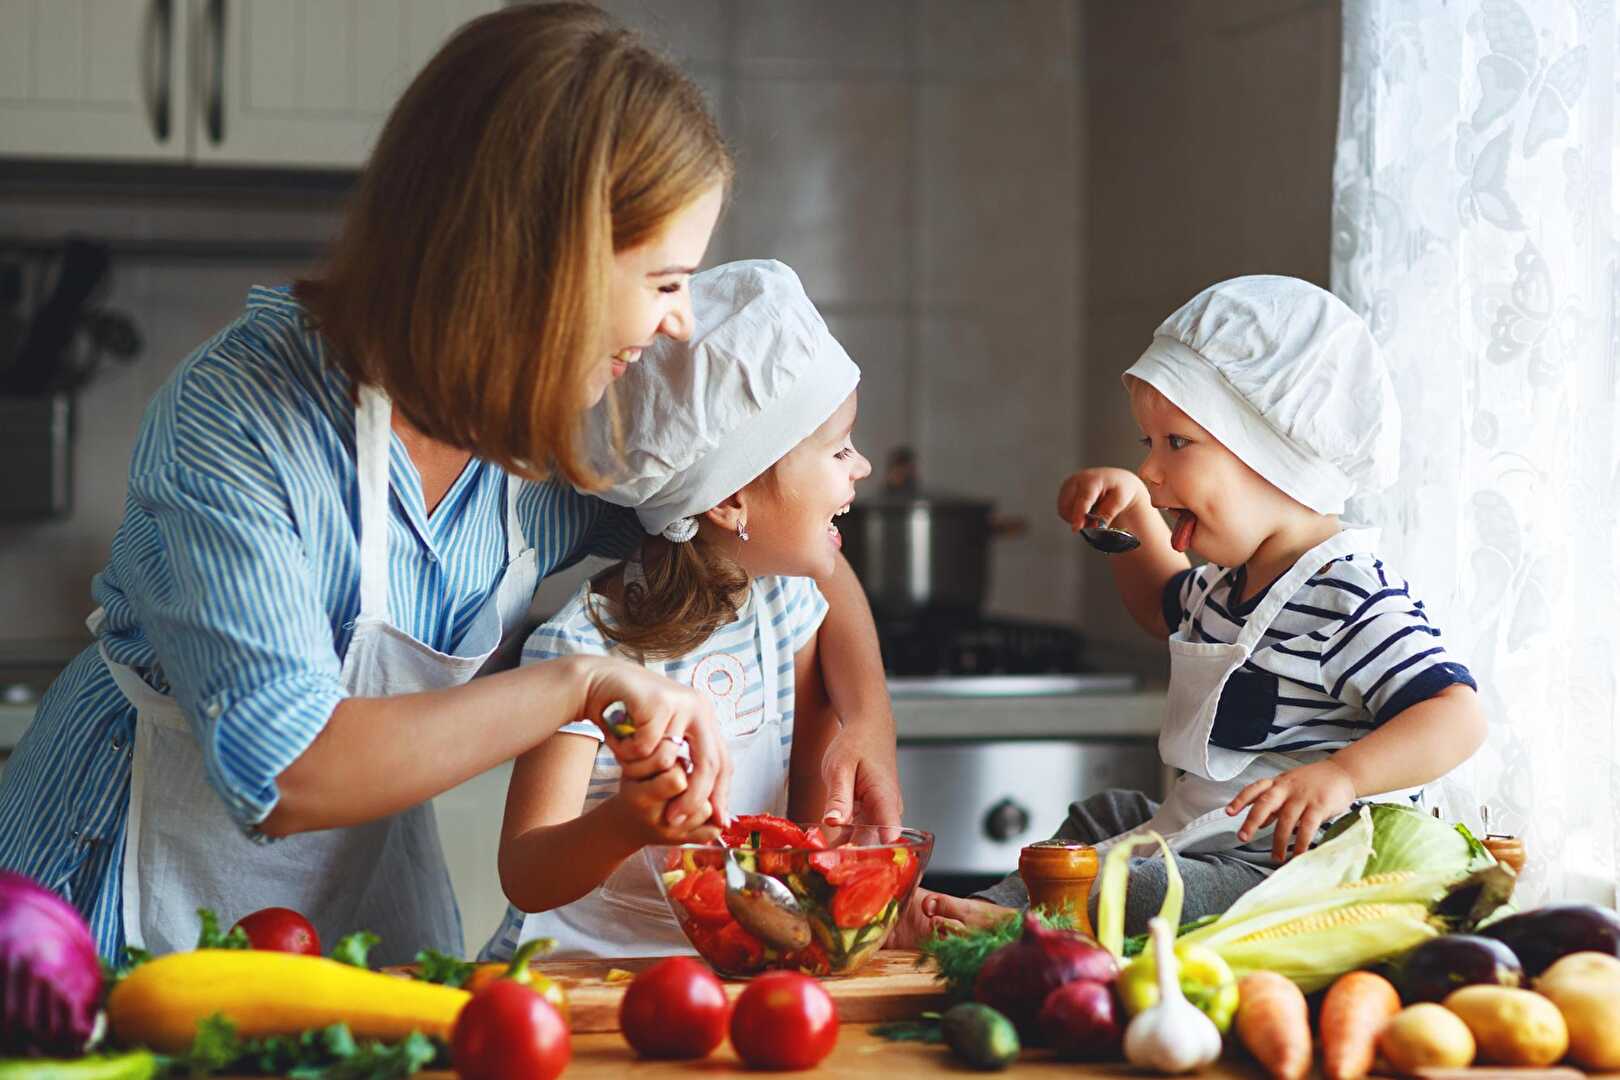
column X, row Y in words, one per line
column 852, row 882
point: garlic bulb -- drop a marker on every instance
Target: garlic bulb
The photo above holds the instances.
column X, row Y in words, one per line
column 1172, row 1036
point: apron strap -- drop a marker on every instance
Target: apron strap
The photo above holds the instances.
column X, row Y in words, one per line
column 1344, row 542
column 372, row 437
column 516, row 543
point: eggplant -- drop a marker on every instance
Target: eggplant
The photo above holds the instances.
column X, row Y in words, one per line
column 1441, row 965
column 1541, row 937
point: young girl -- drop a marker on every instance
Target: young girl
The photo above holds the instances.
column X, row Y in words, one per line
column 737, row 460
column 1305, row 675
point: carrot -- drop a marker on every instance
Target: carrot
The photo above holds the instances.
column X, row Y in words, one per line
column 1274, row 1024
column 1354, row 1011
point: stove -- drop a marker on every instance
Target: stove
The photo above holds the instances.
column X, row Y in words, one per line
column 984, row 796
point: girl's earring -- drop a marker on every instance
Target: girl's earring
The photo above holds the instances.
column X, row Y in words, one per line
column 742, row 531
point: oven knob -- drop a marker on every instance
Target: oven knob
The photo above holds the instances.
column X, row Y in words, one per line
column 1006, row 820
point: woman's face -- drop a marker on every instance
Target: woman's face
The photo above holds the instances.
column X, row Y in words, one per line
column 647, row 293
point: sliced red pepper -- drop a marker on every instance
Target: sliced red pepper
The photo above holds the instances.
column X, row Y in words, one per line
column 703, row 894
column 774, row 832
column 863, row 897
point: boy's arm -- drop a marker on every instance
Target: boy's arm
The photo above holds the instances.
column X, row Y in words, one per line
column 1415, row 746
column 1418, row 745
column 1121, row 500
column 815, row 722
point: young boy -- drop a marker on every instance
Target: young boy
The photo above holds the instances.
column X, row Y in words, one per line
column 1305, row 675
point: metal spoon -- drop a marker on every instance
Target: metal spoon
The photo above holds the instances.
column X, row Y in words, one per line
column 1106, row 540
column 764, row 906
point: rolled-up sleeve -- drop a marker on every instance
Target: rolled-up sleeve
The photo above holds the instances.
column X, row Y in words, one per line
column 233, row 612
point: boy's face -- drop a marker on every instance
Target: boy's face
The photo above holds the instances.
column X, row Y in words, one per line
column 1233, row 507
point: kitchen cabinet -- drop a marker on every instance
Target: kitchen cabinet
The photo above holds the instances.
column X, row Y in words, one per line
column 274, row 83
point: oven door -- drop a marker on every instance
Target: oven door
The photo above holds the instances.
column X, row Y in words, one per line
column 985, row 799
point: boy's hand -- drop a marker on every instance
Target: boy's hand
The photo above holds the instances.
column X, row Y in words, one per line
column 1298, row 800
column 646, row 789
column 1102, row 493
column 931, row 912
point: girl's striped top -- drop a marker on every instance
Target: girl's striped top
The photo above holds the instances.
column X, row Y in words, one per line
column 1352, row 648
column 233, row 583
column 726, row 667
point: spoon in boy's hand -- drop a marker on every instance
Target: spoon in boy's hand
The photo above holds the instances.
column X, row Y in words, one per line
column 1106, row 540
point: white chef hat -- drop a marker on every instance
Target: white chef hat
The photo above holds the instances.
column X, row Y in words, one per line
column 704, row 417
column 1289, row 379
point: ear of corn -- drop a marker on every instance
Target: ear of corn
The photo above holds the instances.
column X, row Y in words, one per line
column 160, row 1003
column 1315, row 949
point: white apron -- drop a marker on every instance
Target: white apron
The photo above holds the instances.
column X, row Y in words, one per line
column 184, row 851
column 627, row 915
column 1193, row 816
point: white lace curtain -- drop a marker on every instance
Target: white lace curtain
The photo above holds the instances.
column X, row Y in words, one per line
column 1474, row 227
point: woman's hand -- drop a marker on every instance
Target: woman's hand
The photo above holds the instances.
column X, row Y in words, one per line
column 862, row 777
column 1298, row 800
column 662, row 709
column 1103, row 493
column 645, row 789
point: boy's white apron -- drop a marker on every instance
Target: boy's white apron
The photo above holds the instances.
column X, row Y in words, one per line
column 183, row 850
column 627, row 915
column 1193, row 817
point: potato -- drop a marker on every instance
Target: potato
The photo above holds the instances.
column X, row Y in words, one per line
column 1586, row 988
column 1511, row 1026
column 1426, row 1036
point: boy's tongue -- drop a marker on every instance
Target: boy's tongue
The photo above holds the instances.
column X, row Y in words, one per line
column 1181, row 536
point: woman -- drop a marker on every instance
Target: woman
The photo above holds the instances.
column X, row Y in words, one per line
column 339, row 507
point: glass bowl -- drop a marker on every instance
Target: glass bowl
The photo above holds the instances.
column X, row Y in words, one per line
column 852, row 882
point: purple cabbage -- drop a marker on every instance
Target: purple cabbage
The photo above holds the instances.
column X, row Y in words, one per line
column 50, row 976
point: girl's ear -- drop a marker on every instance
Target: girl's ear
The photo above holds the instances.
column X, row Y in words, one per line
column 731, row 513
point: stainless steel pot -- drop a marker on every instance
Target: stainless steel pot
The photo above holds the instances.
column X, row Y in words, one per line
column 917, row 552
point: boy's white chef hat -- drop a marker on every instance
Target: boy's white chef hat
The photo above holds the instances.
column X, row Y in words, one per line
column 704, row 417
column 1289, row 379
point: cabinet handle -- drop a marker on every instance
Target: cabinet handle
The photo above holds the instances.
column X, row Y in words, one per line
column 160, row 65
column 214, row 104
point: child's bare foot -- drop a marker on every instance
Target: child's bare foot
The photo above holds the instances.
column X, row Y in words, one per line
column 930, row 913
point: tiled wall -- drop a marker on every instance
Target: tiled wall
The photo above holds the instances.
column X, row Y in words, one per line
column 1209, row 154
column 915, row 160
column 993, row 201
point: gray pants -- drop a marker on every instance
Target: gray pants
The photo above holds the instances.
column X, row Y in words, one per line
column 1212, row 880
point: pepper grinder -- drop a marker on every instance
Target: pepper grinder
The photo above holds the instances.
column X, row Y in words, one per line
column 1507, row 850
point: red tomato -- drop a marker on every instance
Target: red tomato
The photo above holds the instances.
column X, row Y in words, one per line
column 812, row 959
column 784, row 1020
column 703, row 894
column 774, row 832
column 279, row 929
column 675, row 1009
column 508, row 1030
column 863, row 896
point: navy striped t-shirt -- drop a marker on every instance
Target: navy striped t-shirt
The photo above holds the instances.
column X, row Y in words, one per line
column 1350, row 649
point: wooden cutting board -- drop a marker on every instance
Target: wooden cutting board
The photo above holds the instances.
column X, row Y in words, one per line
column 889, row 987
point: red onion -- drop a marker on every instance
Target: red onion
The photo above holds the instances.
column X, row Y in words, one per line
column 1016, row 978
column 50, row 976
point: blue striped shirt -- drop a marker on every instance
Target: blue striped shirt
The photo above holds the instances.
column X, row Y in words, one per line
column 1350, row 649
column 794, row 609
column 233, row 584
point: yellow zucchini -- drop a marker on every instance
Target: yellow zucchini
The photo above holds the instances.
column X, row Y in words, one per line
column 160, row 1003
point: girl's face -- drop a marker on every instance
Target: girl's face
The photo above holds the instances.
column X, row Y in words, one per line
column 1187, row 471
column 647, row 293
column 790, row 510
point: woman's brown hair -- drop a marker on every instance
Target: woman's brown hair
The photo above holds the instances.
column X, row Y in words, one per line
column 469, row 280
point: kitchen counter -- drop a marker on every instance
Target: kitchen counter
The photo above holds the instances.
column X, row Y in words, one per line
column 858, row 1054
column 1134, row 714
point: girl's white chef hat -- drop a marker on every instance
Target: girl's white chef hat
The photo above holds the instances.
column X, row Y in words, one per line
column 704, row 417
column 1289, row 379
